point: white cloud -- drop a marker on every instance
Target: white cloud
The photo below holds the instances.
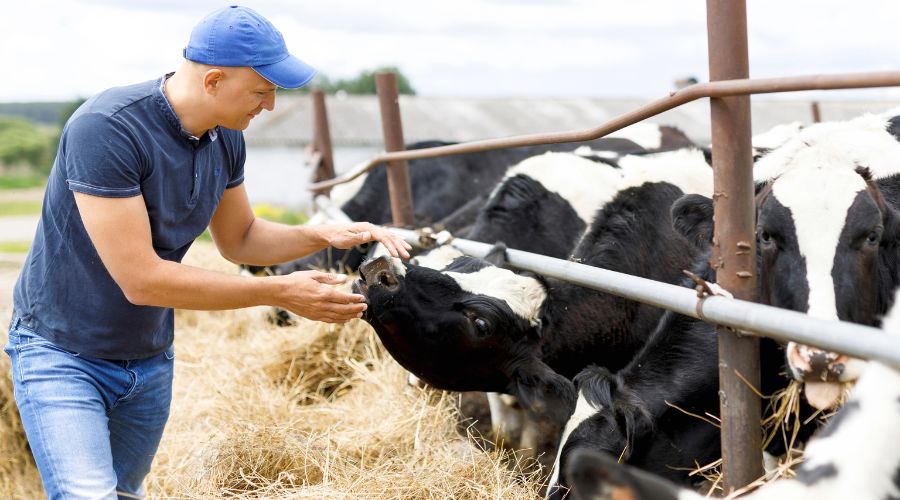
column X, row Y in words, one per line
column 64, row 49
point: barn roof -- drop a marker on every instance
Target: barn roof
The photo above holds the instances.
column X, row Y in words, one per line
column 355, row 120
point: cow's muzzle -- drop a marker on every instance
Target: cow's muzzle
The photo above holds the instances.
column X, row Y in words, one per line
column 812, row 364
column 379, row 272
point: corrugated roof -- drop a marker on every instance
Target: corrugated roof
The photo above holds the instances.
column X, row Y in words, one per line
column 355, row 120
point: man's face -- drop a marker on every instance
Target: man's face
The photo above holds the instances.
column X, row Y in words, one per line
column 243, row 94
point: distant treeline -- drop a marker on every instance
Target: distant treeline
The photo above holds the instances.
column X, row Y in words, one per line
column 363, row 83
column 29, row 135
column 46, row 113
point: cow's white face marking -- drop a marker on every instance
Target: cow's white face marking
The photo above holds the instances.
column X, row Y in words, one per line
column 646, row 135
column 439, row 258
column 522, row 294
column 685, row 168
column 583, row 411
column 863, row 141
column 585, row 184
column 819, row 197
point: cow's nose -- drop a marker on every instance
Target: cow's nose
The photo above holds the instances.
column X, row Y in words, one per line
column 379, row 272
column 811, row 364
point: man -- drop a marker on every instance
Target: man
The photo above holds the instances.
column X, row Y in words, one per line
column 141, row 171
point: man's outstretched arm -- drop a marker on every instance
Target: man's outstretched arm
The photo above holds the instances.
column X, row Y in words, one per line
column 119, row 228
column 243, row 238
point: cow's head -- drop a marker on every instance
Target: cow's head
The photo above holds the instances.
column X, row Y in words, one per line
column 468, row 327
column 825, row 236
column 820, row 230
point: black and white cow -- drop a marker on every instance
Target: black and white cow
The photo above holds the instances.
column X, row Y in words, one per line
column 854, row 456
column 473, row 326
column 828, row 236
column 556, row 211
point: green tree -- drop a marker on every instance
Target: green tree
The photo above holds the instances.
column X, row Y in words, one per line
column 23, row 143
column 364, row 83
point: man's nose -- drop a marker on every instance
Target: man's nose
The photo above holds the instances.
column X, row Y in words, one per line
column 269, row 102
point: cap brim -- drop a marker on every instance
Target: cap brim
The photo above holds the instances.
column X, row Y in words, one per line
column 289, row 73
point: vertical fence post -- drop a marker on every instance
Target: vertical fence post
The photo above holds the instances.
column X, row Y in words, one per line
column 816, row 113
column 322, row 141
column 392, row 129
column 734, row 244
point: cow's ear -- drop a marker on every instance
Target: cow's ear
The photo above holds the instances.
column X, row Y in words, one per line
column 497, row 255
column 707, row 155
column 893, row 127
column 544, row 392
column 692, row 216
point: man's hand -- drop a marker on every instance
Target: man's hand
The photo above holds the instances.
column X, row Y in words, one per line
column 350, row 235
column 309, row 294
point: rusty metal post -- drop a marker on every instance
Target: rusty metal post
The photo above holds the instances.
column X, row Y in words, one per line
column 392, row 129
column 816, row 113
column 322, row 141
column 734, row 244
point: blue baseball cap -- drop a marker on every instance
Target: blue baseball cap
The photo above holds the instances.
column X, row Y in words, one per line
column 238, row 36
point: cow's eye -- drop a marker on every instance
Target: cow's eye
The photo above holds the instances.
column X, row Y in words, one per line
column 766, row 240
column 873, row 238
column 482, row 325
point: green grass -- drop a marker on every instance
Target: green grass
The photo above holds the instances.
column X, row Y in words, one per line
column 20, row 207
column 21, row 181
column 279, row 214
column 14, row 246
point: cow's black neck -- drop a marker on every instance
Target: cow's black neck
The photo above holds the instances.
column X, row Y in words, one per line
column 633, row 235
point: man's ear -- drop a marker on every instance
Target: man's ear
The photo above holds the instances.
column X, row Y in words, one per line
column 692, row 216
column 211, row 80
column 544, row 392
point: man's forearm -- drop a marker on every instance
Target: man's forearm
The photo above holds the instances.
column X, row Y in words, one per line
column 170, row 284
column 267, row 243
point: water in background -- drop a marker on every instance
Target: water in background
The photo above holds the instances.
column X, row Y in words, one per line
column 278, row 175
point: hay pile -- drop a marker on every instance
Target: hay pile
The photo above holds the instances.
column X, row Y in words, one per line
column 18, row 474
column 311, row 410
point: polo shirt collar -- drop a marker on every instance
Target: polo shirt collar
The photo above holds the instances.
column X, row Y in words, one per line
column 166, row 108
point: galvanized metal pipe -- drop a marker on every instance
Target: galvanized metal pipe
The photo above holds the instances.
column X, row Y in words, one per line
column 673, row 100
column 398, row 170
column 780, row 324
column 332, row 212
column 734, row 244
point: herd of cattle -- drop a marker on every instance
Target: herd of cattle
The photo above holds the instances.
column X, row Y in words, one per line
column 609, row 389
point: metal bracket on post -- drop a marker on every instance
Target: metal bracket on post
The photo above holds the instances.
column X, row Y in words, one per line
column 392, row 128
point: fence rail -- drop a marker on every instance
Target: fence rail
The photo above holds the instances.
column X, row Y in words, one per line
column 851, row 339
column 724, row 88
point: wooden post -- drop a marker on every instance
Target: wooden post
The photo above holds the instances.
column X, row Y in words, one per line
column 392, row 129
column 322, row 141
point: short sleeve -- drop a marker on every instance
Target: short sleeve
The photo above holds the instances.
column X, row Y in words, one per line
column 238, row 157
column 100, row 157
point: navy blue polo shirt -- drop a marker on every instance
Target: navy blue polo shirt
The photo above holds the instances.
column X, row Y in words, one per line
column 126, row 141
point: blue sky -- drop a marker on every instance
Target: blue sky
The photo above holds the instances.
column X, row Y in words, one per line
column 60, row 50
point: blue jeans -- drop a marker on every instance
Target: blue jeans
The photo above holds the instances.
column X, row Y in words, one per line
column 93, row 424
